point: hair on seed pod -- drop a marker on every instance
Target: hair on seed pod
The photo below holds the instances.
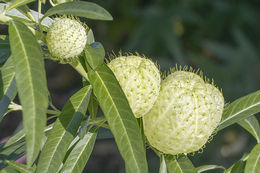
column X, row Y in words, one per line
column 66, row 38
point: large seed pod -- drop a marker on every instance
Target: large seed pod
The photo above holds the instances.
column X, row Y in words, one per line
column 185, row 114
column 140, row 80
column 66, row 38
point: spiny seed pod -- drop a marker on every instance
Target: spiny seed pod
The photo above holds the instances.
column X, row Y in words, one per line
column 140, row 80
column 185, row 114
column 66, row 38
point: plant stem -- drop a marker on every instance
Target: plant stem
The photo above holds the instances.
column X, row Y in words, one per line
column 15, row 107
column 52, row 4
column 39, row 10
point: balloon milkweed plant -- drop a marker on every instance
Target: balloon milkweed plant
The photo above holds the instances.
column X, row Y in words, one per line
column 175, row 115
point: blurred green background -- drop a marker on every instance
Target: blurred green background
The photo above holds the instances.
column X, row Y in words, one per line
column 221, row 37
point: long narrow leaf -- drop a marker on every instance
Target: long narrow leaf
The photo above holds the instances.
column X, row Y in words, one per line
column 179, row 165
column 239, row 166
column 19, row 3
column 12, row 152
column 88, row 10
column 240, row 109
column 63, row 132
column 209, row 167
column 120, row 117
column 8, row 86
column 31, row 85
column 253, row 161
column 20, row 136
column 8, row 170
column 251, row 124
column 79, row 156
column 20, row 167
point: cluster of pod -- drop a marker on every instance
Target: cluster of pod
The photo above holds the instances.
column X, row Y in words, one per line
column 179, row 111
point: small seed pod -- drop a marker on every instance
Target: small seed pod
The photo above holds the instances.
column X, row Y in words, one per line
column 140, row 80
column 185, row 114
column 66, row 38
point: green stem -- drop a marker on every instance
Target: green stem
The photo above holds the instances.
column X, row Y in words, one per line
column 39, row 10
column 15, row 107
column 52, row 4
column 51, row 117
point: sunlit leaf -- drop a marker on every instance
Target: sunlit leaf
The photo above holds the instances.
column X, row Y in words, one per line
column 19, row 3
column 20, row 167
column 7, row 86
column 31, row 85
column 63, row 132
column 79, row 156
column 209, row 167
column 12, row 152
column 82, row 9
column 8, row 170
column 94, row 54
column 120, row 117
column 253, row 161
column 239, row 166
column 251, row 124
column 240, row 109
column 181, row 164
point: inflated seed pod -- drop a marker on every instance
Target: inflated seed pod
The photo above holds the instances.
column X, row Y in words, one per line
column 66, row 38
column 185, row 114
column 140, row 80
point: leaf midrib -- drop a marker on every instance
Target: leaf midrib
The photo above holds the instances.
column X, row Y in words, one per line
column 76, row 161
column 30, row 82
column 253, row 129
column 256, row 161
column 241, row 111
column 128, row 140
column 61, row 137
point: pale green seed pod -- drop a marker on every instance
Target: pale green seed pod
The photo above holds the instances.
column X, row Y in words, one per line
column 66, row 38
column 140, row 80
column 185, row 114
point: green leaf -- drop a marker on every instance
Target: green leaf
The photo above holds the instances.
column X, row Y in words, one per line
column 20, row 167
column 79, row 156
column 163, row 167
column 21, row 135
column 8, row 170
column 83, row 130
column 253, row 161
column 239, row 166
column 251, row 124
column 120, row 117
column 94, row 54
column 240, row 109
column 25, row 15
column 63, row 132
column 7, row 86
column 12, row 152
column 90, row 36
column 19, row 3
column 14, row 148
column 82, row 9
column 209, row 167
column 31, row 84
column 180, row 165
column 93, row 106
